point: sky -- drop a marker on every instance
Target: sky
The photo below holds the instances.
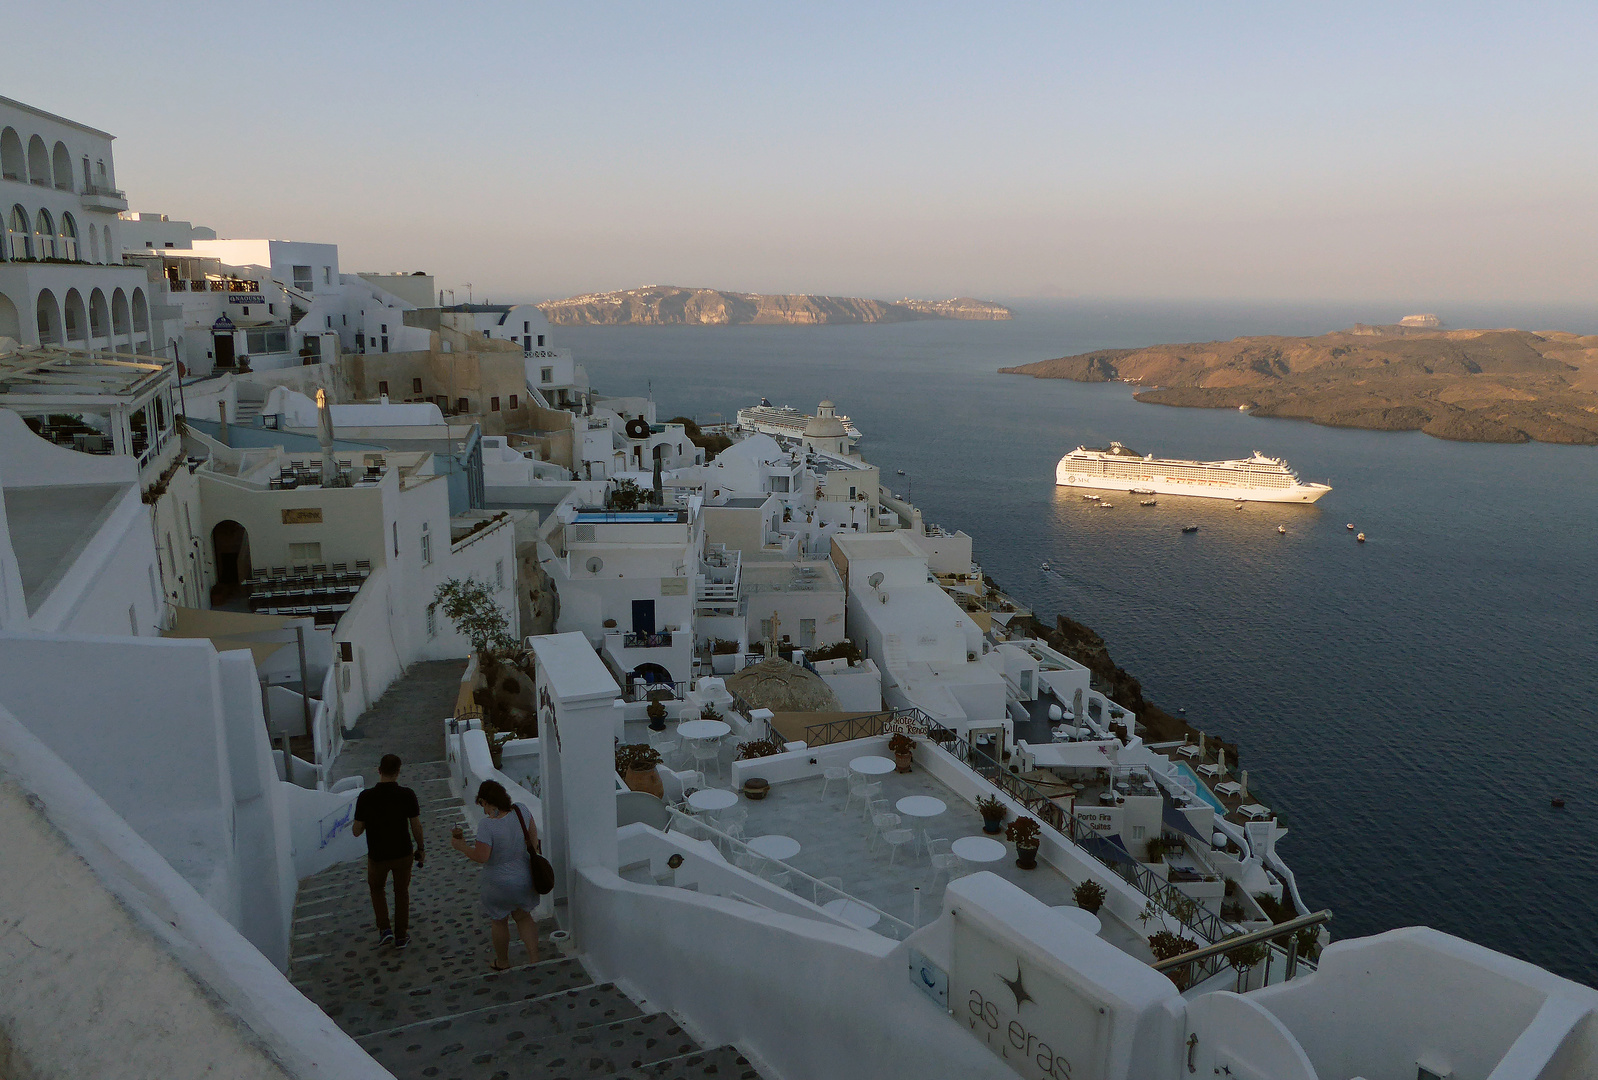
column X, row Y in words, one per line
column 1197, row 151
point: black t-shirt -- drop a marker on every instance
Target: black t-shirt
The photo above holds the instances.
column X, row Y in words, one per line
column 386, row 811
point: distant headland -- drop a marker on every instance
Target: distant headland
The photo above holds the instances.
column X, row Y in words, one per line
column 1470, row 385
column 673, row 305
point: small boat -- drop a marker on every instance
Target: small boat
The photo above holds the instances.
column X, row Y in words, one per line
column 1360, row 538
column 1189, row 528
column 1350, row 526
column 1239, row 506
column 1557, row 803
column 1046, row 565
column 1148, row 502
column 1106, row 506
column 1142, row 491
column 1091, row 498
column 899, row 471
column 1242, row 408
column 1282, row 529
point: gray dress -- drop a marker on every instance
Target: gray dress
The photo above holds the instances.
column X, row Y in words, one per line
column 506, row 881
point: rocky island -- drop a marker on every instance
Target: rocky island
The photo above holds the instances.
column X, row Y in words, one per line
column 1471, row 385
column 672, row 305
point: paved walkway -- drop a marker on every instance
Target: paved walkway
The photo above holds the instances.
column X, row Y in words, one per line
column 407, row 720
column 436, row 1009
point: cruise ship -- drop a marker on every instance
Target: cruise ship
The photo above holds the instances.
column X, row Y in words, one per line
column 1256, row 478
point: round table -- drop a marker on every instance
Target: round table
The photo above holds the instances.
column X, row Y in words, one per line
column 1085, row 919
column 775, row 846
column 871, row 765
column 978, row 849
column 703, row 729
column 1078, row 786
column 712, row 799
column 851, row 912
column 920, row 806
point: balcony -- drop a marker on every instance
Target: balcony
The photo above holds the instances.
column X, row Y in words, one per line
column 104, row 200
column 632, row 640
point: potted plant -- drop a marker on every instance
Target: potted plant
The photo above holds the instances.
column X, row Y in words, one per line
column 1089, row 896
column 709, row 712
column 657, row 715
column 635, row 762
column 1166, row 945
column 759, row 748
column 903, row 748
column 1024, row 833
column 723, row 656
column 1156, row 848
column 992, row 811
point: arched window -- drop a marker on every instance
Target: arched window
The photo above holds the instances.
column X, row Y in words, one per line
column 49, row 316
column 39, row 163
column 141, row 313
column 13, row 162
column 75, row 318
column 10, row 323
column 121, row 321
column 67, row 239
column 63, row 166
column 99, row 315
column 111, row 255
column 18, row 237
column 44, row 235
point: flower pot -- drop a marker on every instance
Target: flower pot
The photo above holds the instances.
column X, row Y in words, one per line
column 1026, row 857
column 902, row 762
column 992, row 824
column 645, row 780
column 657, row 723
column 755, row 788
column 562, row 940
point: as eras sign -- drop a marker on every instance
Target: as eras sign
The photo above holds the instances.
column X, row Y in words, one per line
column 1044, row 1029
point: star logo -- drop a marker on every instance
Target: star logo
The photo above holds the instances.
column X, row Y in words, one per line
column 1016, row 988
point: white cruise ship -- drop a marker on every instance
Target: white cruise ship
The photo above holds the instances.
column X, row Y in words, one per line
column 1119, row 468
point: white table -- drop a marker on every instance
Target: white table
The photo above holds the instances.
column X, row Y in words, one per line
column 775, row 846
column 920, row 806
column 978, row 849
column 871, row 765
column 712, row 799
column 703, row 729
column 1085, row 919
column 849, row 911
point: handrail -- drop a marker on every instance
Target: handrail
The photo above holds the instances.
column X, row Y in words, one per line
column 904, row 929
column 1271, row 933
column 911, row 720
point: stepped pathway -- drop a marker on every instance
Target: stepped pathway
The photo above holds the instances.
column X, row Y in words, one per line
column 436, row 1009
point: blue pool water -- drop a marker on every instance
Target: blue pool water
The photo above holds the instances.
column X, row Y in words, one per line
column 1200, row 786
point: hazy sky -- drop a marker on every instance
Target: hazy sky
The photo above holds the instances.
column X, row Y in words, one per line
column 1143, row 150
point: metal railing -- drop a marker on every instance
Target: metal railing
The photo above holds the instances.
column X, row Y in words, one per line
column 1197, row 965
column 697, row 827
column 634, row 640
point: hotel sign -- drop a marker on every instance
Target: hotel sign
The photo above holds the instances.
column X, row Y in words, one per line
column 1041, row 1027
column 303, row 515
column 246, row 298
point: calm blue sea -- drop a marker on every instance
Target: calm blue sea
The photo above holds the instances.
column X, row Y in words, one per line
column 1410, row 704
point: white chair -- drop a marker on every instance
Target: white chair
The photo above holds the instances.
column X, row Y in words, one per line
column 776, row 873
column 707, row 750
column 943, row 860
column 820, row 895
column 882, row 819
column 751, row 861
column 834, row 773
column 667, row 745
column 863, row 789
column 896, row 839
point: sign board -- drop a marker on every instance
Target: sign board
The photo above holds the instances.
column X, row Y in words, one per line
column 1041, row 1027
column 303, row 515
column 246, row 298
column 1102, row 821
column 223, row 323
column 929, row 978
column 673, row 586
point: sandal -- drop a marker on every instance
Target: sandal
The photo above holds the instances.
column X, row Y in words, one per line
column 495, row 967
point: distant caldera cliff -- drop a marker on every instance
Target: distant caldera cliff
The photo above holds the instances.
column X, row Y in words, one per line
column 1471, row 385
column 672, row 305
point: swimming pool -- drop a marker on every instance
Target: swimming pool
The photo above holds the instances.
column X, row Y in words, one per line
column 1201, row 787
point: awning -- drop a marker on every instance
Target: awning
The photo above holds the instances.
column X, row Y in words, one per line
column 1175, row 819
column 229, row 630
column 1108, row 849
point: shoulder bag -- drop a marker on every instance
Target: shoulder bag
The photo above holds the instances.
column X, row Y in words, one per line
column 543, row 872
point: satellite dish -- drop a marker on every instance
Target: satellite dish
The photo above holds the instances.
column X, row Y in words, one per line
column 874, row 580
column 595, row 564
column 638, row 428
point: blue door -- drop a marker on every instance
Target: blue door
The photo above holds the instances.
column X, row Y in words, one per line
column 644, row 617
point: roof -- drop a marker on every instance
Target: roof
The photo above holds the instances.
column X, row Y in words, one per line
column 25, row 107
column 574, row 671
column 879, row 545
column 70, row 372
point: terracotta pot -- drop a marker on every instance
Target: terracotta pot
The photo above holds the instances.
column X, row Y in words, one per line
column 645, row 780
column 755, row 788
column 1026, row 857
column 902, row 762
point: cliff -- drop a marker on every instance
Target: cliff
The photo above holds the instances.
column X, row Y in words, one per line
column 1472, row 385
column 671, row 305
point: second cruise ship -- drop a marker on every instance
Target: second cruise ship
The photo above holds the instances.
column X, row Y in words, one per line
column 1119, row 468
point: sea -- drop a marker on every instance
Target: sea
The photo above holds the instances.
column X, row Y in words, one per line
column 1410, row 705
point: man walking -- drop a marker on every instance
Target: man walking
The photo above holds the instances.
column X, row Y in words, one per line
column 383, row 813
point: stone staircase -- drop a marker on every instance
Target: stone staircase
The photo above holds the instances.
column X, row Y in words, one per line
column 436, row 1009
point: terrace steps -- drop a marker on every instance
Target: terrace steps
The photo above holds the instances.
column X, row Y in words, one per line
column 436, row 1009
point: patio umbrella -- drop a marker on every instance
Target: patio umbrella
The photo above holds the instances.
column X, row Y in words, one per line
column 324, row 435
column 1242, row 782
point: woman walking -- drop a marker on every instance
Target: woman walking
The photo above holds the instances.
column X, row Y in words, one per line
column 505, row 885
